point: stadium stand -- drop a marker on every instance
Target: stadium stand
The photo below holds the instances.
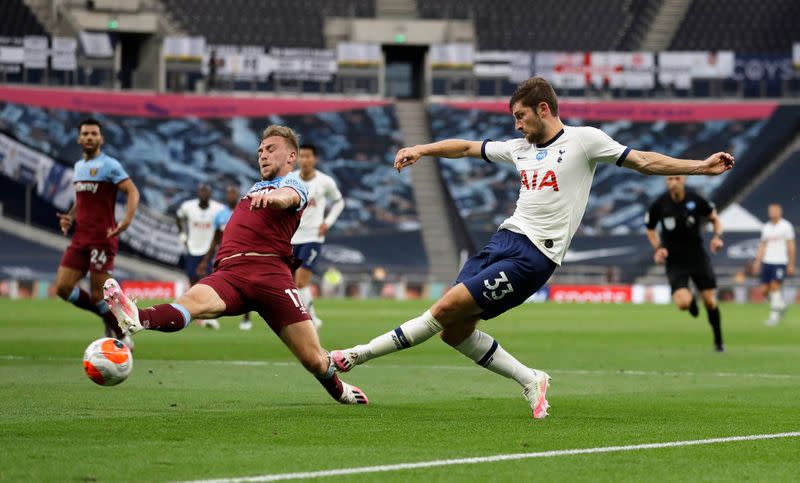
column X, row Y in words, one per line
column 740, row 25
column 571, row 29
column 167, row 158
column 255, row 22
column 486, row 194
column 780, row 186
column 16, row 20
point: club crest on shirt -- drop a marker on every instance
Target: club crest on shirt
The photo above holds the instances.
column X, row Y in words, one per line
column 691, row 205
column 540, row 155
column 669, row 223
column 561, row 155
column 92, row 171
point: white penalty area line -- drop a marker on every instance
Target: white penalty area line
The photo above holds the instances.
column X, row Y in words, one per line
column 435, row 367
column 495, row 458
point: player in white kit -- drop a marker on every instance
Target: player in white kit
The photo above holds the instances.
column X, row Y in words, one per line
column 195, row 220
column 314, row 225
column 775, row 260
column 556, row 164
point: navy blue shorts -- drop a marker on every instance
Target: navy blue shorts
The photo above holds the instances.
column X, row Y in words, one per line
column 309, row 254
column 505, row 273
column 772, row 272
column 190, row 263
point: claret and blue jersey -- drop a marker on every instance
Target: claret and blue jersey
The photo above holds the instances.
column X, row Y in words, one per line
column 95, row 181
column 264, row 230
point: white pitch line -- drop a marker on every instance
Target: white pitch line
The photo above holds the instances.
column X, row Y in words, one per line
column 492, row 459
column 435, row 367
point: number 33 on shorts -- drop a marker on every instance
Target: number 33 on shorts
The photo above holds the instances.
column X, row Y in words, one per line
column 492, row 291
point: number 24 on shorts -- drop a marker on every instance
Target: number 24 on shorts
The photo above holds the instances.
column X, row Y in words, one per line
column 492, row 291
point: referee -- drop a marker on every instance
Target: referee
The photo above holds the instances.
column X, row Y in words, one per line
column 682, row 214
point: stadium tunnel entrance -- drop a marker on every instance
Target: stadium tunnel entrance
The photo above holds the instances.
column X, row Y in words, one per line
column 405, row 71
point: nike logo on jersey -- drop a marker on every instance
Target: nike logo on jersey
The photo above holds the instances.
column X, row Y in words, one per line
column 85, row 186
column 532, row 183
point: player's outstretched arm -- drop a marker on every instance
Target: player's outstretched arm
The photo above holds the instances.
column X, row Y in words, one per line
column 648, row 162
column 129, row 189
column 279, row 199
column 449, row 148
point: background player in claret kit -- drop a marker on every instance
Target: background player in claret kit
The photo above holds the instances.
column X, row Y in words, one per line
column 232, row 197
column 556, row 165
column 195, row 219
column 307, row 242
column 682, row 214
column 253, row 269
column 775, row 260
column 97, row 179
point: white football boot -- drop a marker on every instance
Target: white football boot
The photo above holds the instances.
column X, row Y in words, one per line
column 245, row 325
column 123, row 308
column 345, row 359
column 535, row 393
column 211, row 324
column 352, row 395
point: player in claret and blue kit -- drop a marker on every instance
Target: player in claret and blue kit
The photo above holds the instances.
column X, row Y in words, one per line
column 97, row 178
column 253, row 269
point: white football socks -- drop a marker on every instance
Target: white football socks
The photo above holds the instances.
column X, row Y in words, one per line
column 485, row 351
column 410, row 333
column 776, row 300
column 308, row 301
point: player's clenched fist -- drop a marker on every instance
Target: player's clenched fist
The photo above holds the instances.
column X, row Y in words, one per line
column 720, row 162
column 406, row 157
column 65, row 222
column 660, row 255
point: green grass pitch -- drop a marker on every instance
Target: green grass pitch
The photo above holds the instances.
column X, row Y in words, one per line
column 191, row 409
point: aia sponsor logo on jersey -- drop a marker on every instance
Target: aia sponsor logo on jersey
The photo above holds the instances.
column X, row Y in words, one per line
column 531, row 182
column 86, row 186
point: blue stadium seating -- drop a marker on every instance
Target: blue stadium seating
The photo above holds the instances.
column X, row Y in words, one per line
column 17, row 20
column 271, row 23
column 167, row 158
column 550, row 24
column 743, row 25
column 781, row 186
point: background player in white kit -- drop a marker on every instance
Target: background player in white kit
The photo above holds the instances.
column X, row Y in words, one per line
column 775, row 260
column 556, row 165
column 195, row 220
column 314, row 225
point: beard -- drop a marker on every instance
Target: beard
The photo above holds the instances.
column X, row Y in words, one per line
column 537, row 134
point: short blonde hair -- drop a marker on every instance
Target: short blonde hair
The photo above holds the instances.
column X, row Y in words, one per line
column 285, row 132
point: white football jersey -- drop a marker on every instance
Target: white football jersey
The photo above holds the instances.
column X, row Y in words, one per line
column 775, row 235
column 555, row 179
column 322, row 191
column 199, row 224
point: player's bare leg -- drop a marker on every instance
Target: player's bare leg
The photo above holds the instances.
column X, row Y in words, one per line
column 201, row 301
column 301, row 338
column 714, row 318
column 67, row 280
column 302, row 278
column 455, row 315
column 684, row 300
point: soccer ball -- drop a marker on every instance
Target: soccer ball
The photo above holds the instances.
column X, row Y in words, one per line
column 107, row 361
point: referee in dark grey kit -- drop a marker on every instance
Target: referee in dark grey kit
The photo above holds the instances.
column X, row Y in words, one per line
column 682, row 214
